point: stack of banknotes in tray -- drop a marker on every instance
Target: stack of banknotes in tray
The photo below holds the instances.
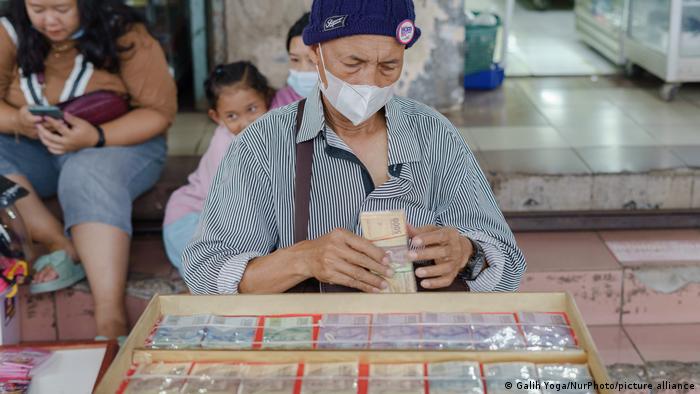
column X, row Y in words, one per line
column 464, row 377
column 400, row 331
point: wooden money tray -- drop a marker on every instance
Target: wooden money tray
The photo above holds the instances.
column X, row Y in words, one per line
column 134, row 352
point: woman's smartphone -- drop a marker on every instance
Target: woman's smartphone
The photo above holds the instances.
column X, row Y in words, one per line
column 46, row 110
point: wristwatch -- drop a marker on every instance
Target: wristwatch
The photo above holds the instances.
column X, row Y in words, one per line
column 101, row 140
column 476, row 263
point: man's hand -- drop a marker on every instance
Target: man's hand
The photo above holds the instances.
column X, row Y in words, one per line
column 444, row 245
column 343, row 258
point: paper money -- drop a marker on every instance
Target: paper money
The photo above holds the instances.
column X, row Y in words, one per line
column 456, row 377
column 546, row 331
column 336, row 378
column 288, row 333
column 387, row 230
column 396, row 379
column 522, row 375
column 446, row 331
column 553, row 376
column 214, row 379
column 396, row 331
column 496, row 331
column 180, row 332
column 269, row 379
column 224, row 332
column 563, row 372
column 339, row 331
column 165, row 378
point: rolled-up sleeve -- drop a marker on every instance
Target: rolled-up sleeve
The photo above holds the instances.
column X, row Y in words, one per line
column 236, row 226
column 473, row 211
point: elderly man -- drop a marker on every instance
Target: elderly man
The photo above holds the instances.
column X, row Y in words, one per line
column 283, row 211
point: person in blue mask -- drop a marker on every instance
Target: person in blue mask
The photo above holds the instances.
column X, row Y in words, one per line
column 283, row 211
column 302, row 77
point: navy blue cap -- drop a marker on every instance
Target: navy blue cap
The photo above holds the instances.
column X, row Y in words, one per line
column 331, row 19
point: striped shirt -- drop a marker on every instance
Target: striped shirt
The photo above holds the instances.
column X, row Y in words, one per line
column 433, row 177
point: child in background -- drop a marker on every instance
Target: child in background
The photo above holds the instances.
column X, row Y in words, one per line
column 303, row 76
column 238, row 94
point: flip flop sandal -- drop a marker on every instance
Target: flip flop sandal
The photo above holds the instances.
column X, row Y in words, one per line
column 69, row 273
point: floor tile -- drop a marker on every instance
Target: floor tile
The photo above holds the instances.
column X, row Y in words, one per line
column 647, row 299
column 38, row 317
column 614, row 346
column 653, row 247
column 678, row 342
column 689, row 154
column 468, row 138
column 588, row 136
column 608, row 116
column 536, row 161
column 676, row 135
column 479, row 117
column 597, row 293
column 546, row 43
column 506, row 138
column 605, row 160
column 565, row 251
column 75, row 313
column 662, row 114
column 637, row 99
column 611, row 83
column 582, row 100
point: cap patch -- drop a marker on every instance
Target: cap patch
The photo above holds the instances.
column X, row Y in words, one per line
column 334, row 22
column 405, row 32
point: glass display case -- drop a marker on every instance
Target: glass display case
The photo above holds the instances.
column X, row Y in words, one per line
column 664, row 38
column 602, row 25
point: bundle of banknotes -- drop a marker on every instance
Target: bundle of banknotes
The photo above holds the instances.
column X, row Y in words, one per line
column 294, row 332
column 528, row 378
column 432, row 331
column 453, row 377
column 208, row 331
column 546, row 331
column 388, row 230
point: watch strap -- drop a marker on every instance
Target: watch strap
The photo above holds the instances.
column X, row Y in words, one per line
column 101, row 140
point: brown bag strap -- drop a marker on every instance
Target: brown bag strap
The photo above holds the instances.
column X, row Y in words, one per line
column 302, row 180
column 302, row 196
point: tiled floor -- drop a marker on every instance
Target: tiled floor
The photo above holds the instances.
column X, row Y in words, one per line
column 581, row 125
column 546, row 43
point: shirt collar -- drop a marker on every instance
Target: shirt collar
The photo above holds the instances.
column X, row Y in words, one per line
column 402, row 135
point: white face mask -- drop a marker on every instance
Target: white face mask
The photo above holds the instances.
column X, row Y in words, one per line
column 303, row 82
column 356, row 102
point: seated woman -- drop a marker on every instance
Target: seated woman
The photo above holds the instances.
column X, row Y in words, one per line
column 50, row 52
column 358, row 148
column 302, row 77
column 238, row 94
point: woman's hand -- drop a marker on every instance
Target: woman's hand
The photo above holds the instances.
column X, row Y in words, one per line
column 27, row 123
column 73, row 134
column 343, row 258
column 444, row 245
